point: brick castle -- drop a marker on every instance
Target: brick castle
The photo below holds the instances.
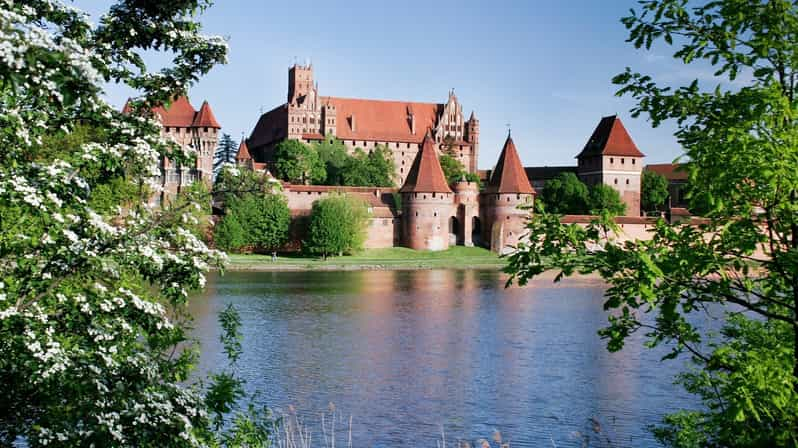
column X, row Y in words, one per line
column 434, row 215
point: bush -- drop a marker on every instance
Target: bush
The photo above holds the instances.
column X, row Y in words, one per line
column 565, row 194
column 604, row 198
column 654, row 191
column 228, row 234
column 337, row 226
column 263, row 222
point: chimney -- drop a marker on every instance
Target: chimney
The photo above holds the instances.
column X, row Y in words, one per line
column 412, row 119
column 352, row 122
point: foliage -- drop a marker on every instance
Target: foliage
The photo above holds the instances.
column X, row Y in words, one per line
column 264, row 219
column 225, row 153
column 565, row 194
column 605, row 199
column 740, row 139
column 654, row 191
column 375, row 169
column 229, row 234
column 337, row 226
column 334, row 156
column 93, row 300
column 298, row 163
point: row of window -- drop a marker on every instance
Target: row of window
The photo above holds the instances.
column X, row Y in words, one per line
column 178, row 130
column 612, row 160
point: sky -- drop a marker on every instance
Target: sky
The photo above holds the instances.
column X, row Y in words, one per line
column 542, row 67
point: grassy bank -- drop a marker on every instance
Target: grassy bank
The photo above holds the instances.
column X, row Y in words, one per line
column 391, row 258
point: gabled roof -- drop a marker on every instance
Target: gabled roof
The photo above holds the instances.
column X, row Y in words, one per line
column 205, row 118
column 509, row 175
column 179, row 114
column 382, row 120
column 671, row 171
column 426, row 174
column 610, row 139
column 243, row 151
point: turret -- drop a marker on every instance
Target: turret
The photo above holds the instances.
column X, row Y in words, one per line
column 427, row 202
column 466, row 200
column 300, row 82
column 611, row 157
column 507, row 200
column 472, row 136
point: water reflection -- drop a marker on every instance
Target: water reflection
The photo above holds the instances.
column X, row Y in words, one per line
column 407, row 351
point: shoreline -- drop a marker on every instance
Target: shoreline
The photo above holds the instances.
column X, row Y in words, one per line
column 267, row 267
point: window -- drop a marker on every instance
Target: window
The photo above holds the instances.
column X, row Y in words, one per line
column 627, row 181
column 616, row 181
column 435, row 213
column 612, row 160
column 206, row 129
column 633, row 161
column 433, row 194
column 622, row 160
column 408, row 145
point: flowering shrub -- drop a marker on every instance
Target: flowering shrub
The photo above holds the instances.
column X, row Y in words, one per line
column 92, row 299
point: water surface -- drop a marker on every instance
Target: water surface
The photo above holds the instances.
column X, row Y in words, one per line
column 408, row 352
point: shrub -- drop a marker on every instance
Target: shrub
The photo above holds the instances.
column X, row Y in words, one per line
column 337, row 226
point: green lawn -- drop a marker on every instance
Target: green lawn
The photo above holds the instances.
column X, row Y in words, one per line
column 395, row 257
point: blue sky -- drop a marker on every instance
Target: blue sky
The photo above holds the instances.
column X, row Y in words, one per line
column 543, row 67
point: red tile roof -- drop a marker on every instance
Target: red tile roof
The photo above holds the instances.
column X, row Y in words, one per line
column 509, row 175
column 610, row 139
column 178, row 114
column 243, row 151
column 379, row 120
column 271, row 127
column 205, row 118
column 426, row 174
column 671, row 171
column 314, row 136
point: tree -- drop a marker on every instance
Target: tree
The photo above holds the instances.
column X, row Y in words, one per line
column 225, row 153
column 375, row 169
column 565, row 194
column 337, row 226
column 93, row 317
column 605, row 199
column 654, row 191
column 739, row 137
column 228, row 234
column 265, row 220
column 298, row 163
column 333, row 154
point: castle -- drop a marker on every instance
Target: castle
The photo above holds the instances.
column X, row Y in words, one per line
column 188, row 127
column 432, row 215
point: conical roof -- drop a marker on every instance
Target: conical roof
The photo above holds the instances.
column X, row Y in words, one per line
column 205, row 118
column 610, row 139
column 179, row 114
column 243, row 151
column 426, row 174
column 509, row 175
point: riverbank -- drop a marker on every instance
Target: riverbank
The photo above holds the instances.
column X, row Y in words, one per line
column 395, row 258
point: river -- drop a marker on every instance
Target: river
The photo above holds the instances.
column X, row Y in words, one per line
column 408, row 353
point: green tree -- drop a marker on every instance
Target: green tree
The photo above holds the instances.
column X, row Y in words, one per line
column 93, row 280
column 565, row 194
column 334, row 156
column 337, row 226
column 453, row 170
column 605, row 199
column 225, row 153
column 298, row 163
column 375, row 169
column 654, row 191
column 739, row 137
column 228, row 234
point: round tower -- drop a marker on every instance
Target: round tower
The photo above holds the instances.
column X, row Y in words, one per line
column 427, row 202
column 507, row 201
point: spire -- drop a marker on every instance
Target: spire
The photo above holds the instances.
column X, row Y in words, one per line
column 509, row 175
column 179, row 113
column 610, row 139
column 473, row 116
column 127, row 109
column 426, row 175
column 205, row 118
column 243, row 152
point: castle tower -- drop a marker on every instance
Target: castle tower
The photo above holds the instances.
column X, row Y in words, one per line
column 300, row 82
column 427, row 202
column 243, row 157
column 611, row 157
column 205, row 131
column 472, row 136
column 507, row 195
